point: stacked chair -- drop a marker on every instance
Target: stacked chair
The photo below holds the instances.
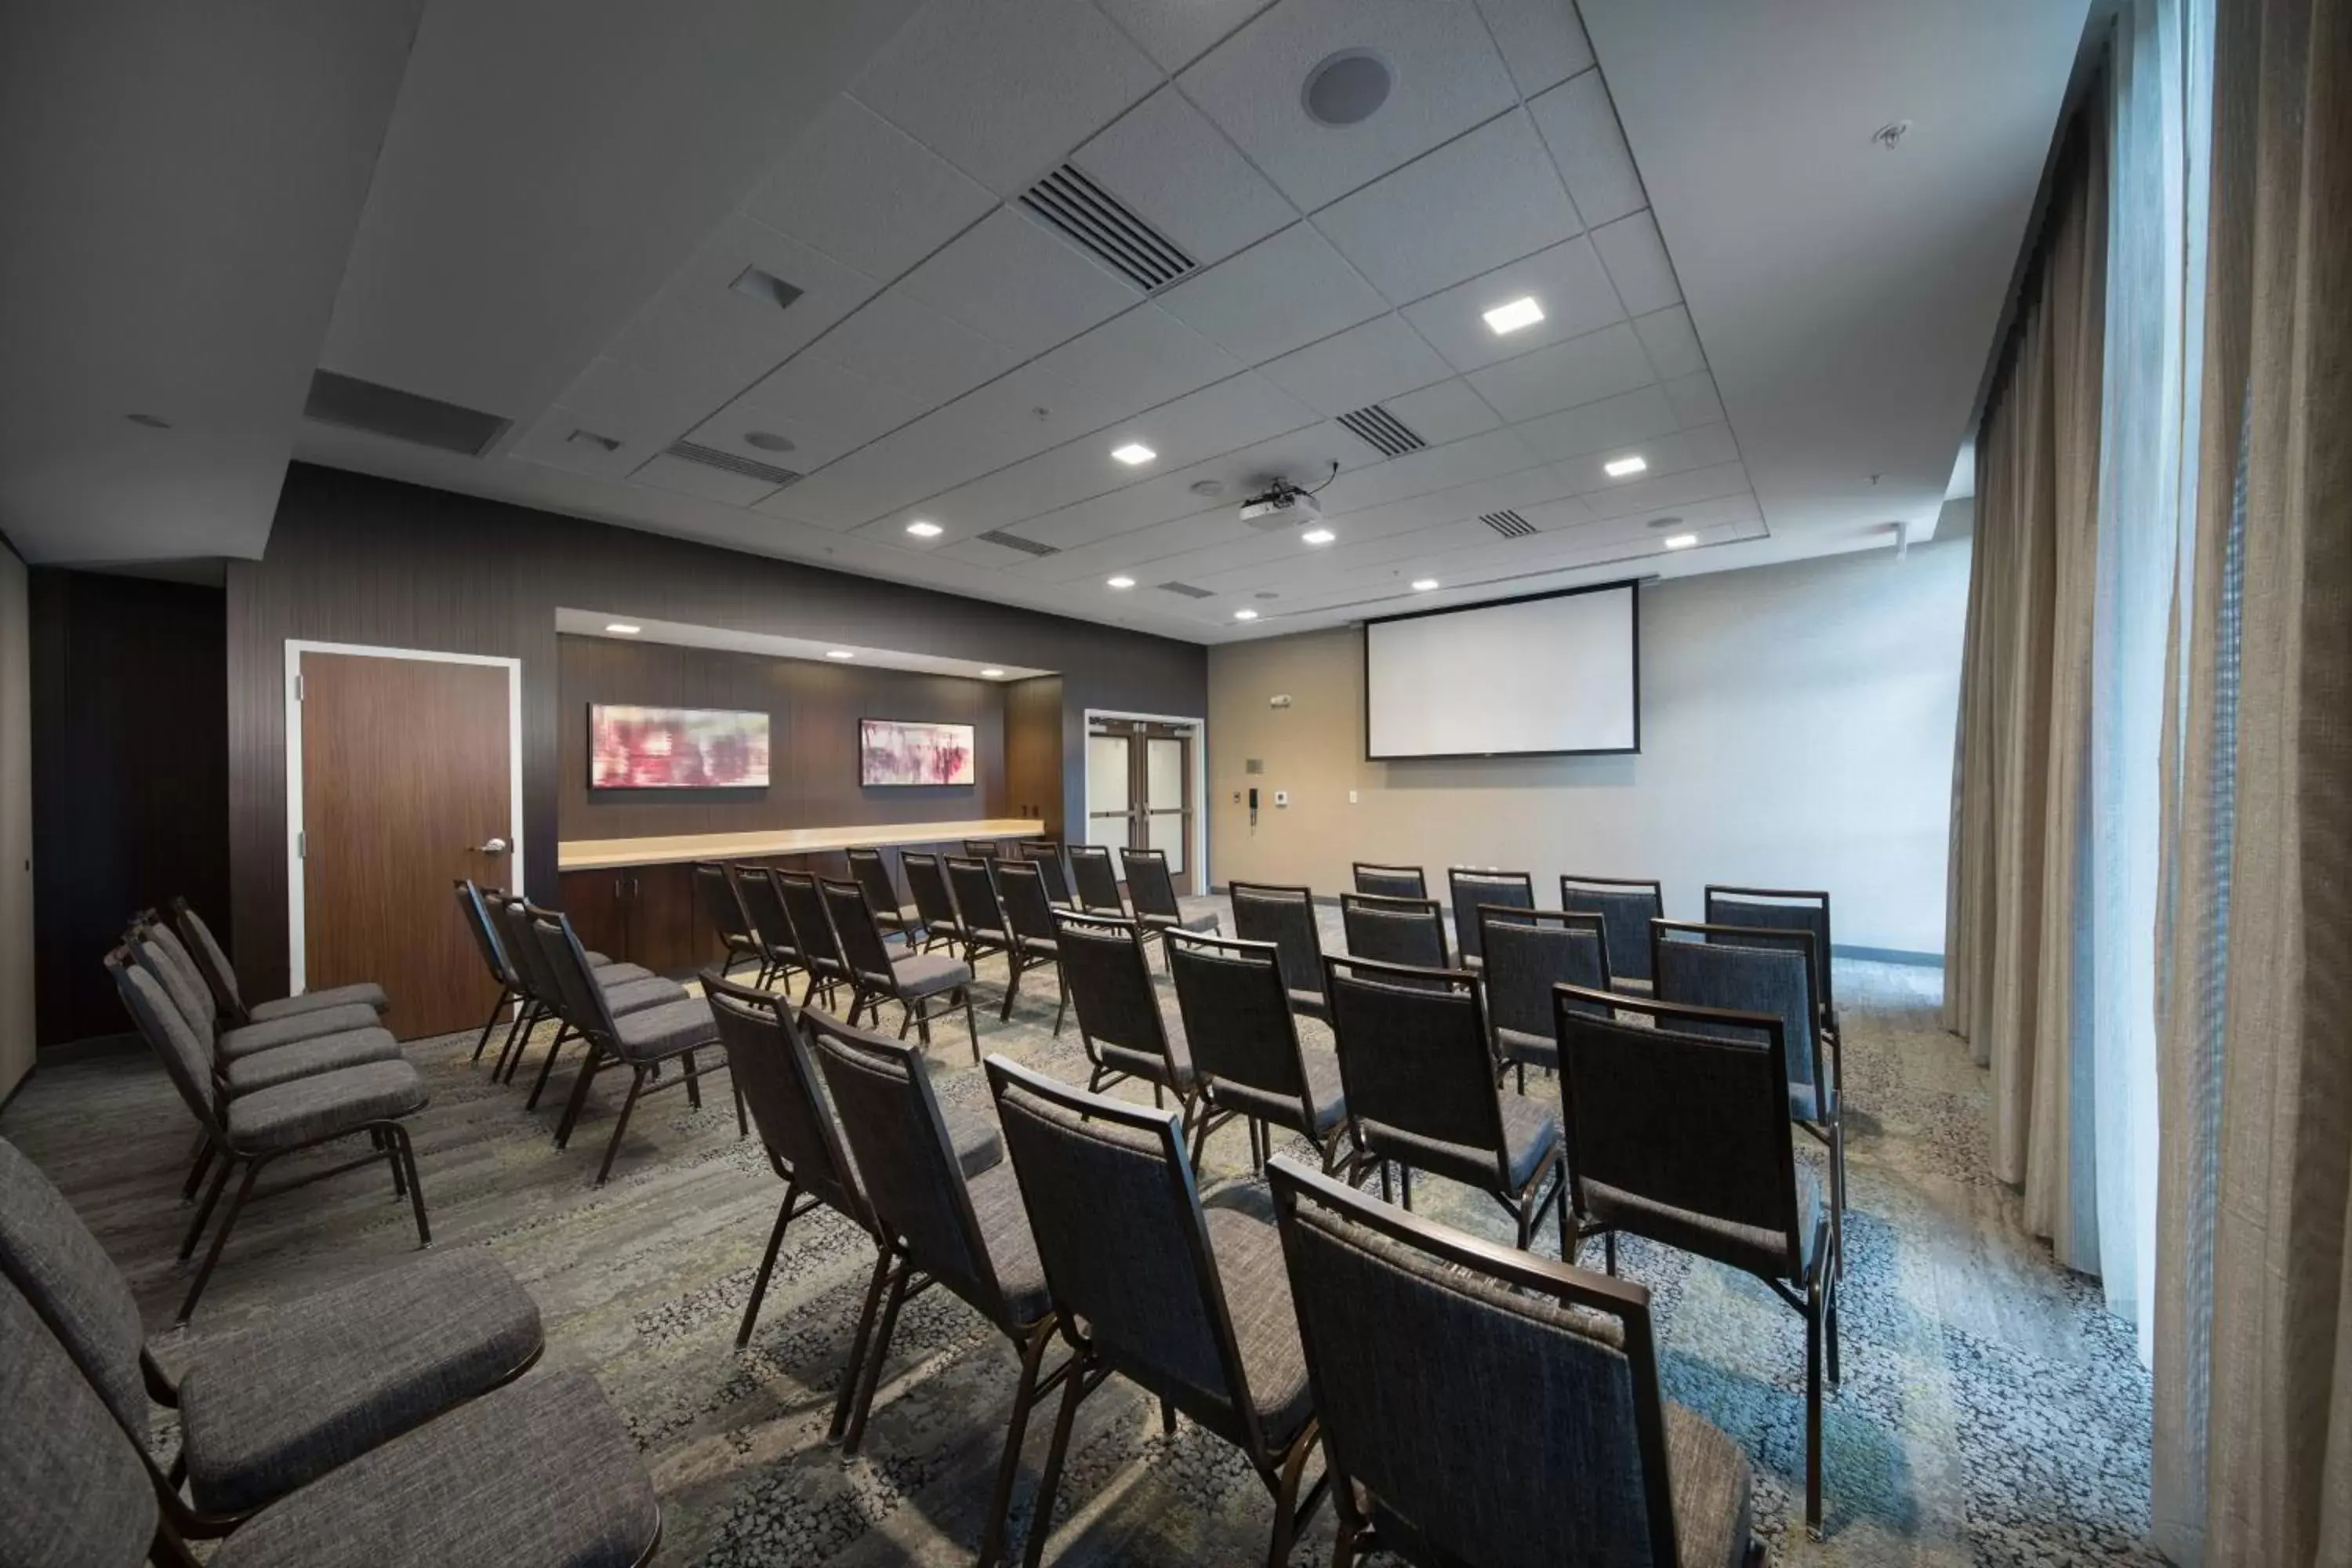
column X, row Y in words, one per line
column 514, row 965
column 221, row 975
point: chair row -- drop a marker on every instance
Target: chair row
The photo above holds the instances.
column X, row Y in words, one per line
column 388, row 1423
column 1468, row 1401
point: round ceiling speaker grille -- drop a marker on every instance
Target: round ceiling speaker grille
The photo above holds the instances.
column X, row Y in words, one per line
column 768, row 441
column 1348, row 88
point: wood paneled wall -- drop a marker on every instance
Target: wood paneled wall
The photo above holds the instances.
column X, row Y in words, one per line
column 130, row 777
column 812, row 712
column 360, row 559
column 1033, row 751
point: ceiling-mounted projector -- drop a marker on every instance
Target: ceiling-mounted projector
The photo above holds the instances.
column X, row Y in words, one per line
column 1281, row 505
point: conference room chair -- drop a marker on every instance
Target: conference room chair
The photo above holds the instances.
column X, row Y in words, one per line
column 1409, row 931
column 482, row 910
column 1107, row 971
column 1757, row 911
column 196, row 1000
column 1725, row 967
column 934, row 904
column 1046, row 854
column 936, row 1225
column 1527, row 953
column 983, row 849
column 644, row 1041
column 1285, row 917
column 723, row 905
column 1469, row 889
column 771, row 925
column 758, row 1029
column 539, row 1473
column 1029, row 917
column 247, row 1133
column 1483, row 1408
column 1238, row 1011
column 1627, row 906
column 1678, row 1130
column 259, row 1055
column 316, row 1382
column 872, row 873
column 1153, row 892
column 1418, row 1065
column 1391, row 881
column 1188, row 1303
column 982, row 919
column 640, row 993
column 813, row 937
column 1096, row 881
column 220, row 975
column 915, row 980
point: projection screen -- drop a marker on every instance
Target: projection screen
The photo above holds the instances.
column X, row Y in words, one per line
column 1558, row 673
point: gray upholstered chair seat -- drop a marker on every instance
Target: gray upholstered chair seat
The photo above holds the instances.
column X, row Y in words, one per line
column 1041, row 946
column 1150, row 1064
column 1265, row 1330
column 1327, row 1100
column 988, row 934
column 1752, row 1248
column 1534, row 1050
column 1530, row 1132
column 1712, row 1485
column 1208, row 923
column 542, row 1472
column 307, row 1108
column 611, row 971
column 1313, row 1003
column 1004, row 1224
column 265, row 1070
column 274, row 1408
column 367, row 994
column 665, row 1030
column 1805, row 1105
column 921, row 975
column 636, row 995
column 246, row 1039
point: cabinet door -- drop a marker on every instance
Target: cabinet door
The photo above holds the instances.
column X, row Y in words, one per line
column 597, row 902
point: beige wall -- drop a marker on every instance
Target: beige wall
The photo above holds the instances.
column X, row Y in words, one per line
column 15, row 826
column 1796, row 731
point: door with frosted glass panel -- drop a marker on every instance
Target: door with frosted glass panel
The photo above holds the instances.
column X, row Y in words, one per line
column 1140, row 791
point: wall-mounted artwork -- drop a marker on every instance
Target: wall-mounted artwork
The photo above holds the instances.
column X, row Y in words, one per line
column 894, row 751
column 676, row 748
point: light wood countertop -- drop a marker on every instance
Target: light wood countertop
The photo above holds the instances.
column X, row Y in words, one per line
column 603, row 854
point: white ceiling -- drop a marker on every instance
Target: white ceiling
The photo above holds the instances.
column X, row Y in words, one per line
column 1738, row 285
column 684, row 633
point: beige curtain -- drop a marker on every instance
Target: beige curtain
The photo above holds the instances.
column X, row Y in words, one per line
column 2253, row 1366
column 2025, row 692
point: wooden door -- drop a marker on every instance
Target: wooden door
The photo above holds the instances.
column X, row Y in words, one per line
column 407, row 785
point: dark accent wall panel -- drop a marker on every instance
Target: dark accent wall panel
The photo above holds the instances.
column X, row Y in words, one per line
column 1033, row 751
column 812, row 712
column 130, row 777
column 360, row 559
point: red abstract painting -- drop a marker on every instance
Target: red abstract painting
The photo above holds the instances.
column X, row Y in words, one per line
column 891, row 752
column 676, row 748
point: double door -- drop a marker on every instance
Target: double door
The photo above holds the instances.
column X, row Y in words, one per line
column 1139, row 790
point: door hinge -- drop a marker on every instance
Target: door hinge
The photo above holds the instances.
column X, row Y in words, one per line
column 298, row 686
column 301, row 846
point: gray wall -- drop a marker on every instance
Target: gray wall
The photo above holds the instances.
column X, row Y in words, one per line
column 1796, row 731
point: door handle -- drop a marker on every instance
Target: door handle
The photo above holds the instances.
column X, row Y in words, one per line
column 492, row 846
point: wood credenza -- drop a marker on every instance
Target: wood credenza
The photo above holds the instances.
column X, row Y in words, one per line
column 633, row 899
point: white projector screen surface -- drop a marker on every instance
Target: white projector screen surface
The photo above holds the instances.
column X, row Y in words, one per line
column 1548, row 675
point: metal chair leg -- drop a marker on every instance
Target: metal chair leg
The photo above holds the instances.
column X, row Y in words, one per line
column 1814, row 1414
column 767, row 1264
column 1040, row 1511
column 1032, row 1351
column 970, row 1022
column 205, row 1209
column 491, row 1022
column 220, row 1237
column 571, row 1107
column 405, row 1153
column 620, row 1124
column 870, row 1375
column 853, row 1374
column 555, row 1047
column 204, row 1161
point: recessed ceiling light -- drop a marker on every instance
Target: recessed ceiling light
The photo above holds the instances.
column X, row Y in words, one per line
column 1121, row 581
column 1682, row 541
column 1319, row 536
column 1244, row 615
column 1134, row 452
column 922, row 529
column 839, row 652
column 768, row 441
column 1522, row 311
column 1618, row 468
column 992, row 674
column 1423, row 584
column 622, row 628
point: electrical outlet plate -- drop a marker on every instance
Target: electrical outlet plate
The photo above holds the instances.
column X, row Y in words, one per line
column 1282, row 797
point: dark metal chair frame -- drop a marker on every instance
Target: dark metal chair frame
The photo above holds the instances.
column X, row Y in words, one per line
column 513, row 989
column 1047, row 855
column 1407, row 984
column 1794, row 899
column 872, row 874
column 1492, row 915
column 1620, row 964
column 722, row 906
column 1624, row 1303
column 1270, row 911
column 813, row 933
column 934, row 900
column 983, row 848
column 832, row 1047
column 389, row 1136
column 210, row 962
column 1092, row 864
column 872, row 979
column 1809, row 1288
column 1230, row 1413
column 592, row 1018
column 772, row 924
column 1393, row 876
column 1428, row 909
column 1152, row 887
column 1028, row 908
column 1070, row 931
column 1214, row 1042
column 981, row 914
column 1467, row 896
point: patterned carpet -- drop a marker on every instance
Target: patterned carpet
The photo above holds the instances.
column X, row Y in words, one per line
column 1993, row 1410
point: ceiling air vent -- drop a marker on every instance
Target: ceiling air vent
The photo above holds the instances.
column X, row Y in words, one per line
column 1383, row 431
column 401, row 416
column 1509, row 524
column 1108, row 228
column 729, row 463
column 1014, row 542
column 1187, row 589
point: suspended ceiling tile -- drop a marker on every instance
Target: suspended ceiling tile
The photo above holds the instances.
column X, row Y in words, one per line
column 810, row 389
column 1175, row 33
column 1542, row 41
column 1139, row 360
column 1280, row 294
column 1579, row 125
column 1582, row 370
column 1636, row 259
column 1664, row 453
column 1164, row 159
column 1694, row 400
column 1566, row 281
column 1672, row 340
column 907, row 347
column 811, row 446
column 1598, row 426
column 665, row 472
column 865, row 193
column 1366, row 363
column 1012, row 280
column 1446, row 412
